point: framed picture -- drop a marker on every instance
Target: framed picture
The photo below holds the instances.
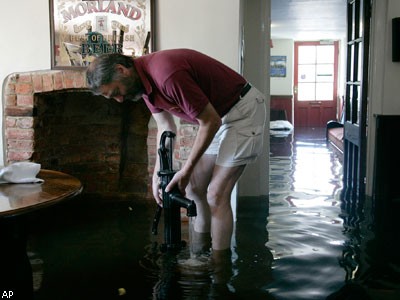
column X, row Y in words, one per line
column 82, row 30
column 278, row 66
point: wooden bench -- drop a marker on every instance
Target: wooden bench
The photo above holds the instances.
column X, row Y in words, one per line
column 334, row 134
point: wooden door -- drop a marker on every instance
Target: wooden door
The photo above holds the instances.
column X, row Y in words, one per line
column 315, row 83
column 355, row 110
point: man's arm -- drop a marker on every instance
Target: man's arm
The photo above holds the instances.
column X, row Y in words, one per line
column 209, row 123
column 165, row 122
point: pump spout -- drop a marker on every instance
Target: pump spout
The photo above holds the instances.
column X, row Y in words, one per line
column 183, row 202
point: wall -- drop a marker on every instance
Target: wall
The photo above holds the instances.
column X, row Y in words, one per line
column 384, row 75
column 284, row 85
column 209, row 26
column 24, row 28
column 26, row 44
column 213, row 27
column 390, row 102
column 25, row 33
column 219, row 35
column 256, row 34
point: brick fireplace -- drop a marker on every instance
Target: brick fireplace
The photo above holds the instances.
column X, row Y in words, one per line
column 51, row 118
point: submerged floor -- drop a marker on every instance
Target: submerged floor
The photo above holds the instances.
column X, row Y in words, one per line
column 304, row 224
column 297, row 246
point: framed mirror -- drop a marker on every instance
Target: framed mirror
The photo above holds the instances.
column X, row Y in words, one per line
column 82, row 30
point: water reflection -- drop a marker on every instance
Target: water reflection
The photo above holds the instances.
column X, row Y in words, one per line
column 303, row 242
column 240, row 273
column 287, row 248
column 304, row 221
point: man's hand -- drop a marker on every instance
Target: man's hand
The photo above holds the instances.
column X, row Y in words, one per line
column 180, row 180
column 209, row 123
column 157, row 191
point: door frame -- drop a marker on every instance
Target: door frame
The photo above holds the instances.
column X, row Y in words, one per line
column 356, row 99
column 296, row 112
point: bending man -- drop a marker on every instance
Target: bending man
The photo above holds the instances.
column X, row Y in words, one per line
column 229, row 112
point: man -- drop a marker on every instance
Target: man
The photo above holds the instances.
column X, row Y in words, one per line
column 199, row 89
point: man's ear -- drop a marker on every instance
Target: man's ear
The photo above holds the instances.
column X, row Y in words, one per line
column 121, row 70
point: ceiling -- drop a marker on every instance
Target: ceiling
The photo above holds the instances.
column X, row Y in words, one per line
column 303, row 20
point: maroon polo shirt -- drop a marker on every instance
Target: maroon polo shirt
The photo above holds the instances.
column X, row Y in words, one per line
column 184, row 81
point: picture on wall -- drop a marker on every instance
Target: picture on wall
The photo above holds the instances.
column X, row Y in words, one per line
column 82, row 30
column 278, row 66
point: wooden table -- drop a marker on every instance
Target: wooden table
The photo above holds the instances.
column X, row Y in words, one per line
column 17, row 201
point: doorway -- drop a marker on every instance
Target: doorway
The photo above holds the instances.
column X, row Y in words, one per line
column 315, row 83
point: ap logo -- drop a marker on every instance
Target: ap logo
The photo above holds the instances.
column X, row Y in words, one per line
column 7, row 294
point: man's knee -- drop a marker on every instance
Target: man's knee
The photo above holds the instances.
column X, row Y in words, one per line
column 198, row 190
column 215, row 197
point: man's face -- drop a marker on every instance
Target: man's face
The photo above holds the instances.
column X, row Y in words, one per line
column 124, row 89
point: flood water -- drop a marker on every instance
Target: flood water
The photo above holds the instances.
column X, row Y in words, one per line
column 290, row 248
column 304, row 223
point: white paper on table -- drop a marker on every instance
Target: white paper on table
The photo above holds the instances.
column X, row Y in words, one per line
column 20, row 172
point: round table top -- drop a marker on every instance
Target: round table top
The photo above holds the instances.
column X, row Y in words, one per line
column 19, row 198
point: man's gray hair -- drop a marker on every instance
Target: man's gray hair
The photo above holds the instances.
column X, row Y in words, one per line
column 102, row 70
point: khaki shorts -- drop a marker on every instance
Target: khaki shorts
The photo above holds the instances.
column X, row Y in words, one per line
column 239, row 140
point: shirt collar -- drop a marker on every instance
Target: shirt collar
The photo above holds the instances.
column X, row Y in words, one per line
column 139, row 65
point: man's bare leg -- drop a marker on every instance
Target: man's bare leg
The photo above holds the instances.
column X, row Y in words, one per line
column 211, row 188
column 197, row 191
column 219, row 199
column 200, row 226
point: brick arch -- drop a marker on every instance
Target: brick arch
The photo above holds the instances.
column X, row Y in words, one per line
column 51, row 118
column 21, row 92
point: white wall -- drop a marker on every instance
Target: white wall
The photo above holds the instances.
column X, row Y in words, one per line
column 256, row 34
column 25, row 33
column 209, row 26
column 283, row 86
column 214, row 27
column 390, row 101
column 384, row 72
column 384, row 75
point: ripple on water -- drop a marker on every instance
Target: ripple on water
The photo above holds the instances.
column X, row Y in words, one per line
column 305, row 230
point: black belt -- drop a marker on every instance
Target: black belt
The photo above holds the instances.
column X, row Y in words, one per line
column 245, row 89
